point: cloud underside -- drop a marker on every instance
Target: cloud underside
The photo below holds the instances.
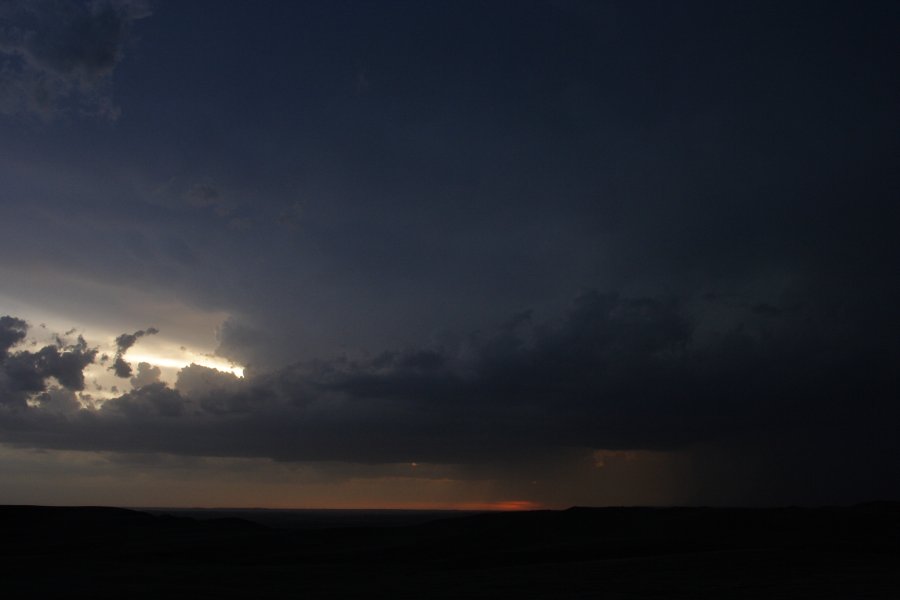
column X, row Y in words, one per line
column 58, row 56
column 615, row 372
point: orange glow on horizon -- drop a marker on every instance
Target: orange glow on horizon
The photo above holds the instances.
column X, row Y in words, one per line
column 498, row 506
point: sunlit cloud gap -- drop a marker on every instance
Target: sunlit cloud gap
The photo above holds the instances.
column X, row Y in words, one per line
column 180, row 363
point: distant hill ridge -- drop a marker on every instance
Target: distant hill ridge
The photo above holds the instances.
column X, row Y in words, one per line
column 102, row 552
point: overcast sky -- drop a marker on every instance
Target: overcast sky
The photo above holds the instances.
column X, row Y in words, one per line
column 449, row 254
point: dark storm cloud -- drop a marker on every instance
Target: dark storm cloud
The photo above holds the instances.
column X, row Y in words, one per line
column 56, row 54
column 127, row 340
column 730, row 169
column 240, row 342
column 147, row 402
column 614, row 373
column 24, row 372
column 12, row 331
column 120, row 366
column 146, row 374
column 218, row 392
column 59, row 400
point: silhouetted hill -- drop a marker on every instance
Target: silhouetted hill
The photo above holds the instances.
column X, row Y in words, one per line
column 576, row 553
column 316, row 518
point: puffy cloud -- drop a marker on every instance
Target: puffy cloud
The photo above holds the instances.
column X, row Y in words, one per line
column 120, row 366
column 127, row 340
column 153, row 400
column 12, row 331
column 56, row 55
column 58, row 400
column 25, row 372
column 217, row 392
column 146, row 374
column 240, row 342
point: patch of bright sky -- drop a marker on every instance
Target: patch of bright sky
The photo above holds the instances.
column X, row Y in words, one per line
column 186, row 334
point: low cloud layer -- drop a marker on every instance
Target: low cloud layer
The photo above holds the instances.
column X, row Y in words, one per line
column 612, row 373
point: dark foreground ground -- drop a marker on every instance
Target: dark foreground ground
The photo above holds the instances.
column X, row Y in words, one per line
column 608, row 553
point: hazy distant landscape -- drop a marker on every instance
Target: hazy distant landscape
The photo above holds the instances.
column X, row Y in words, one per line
column 577, row 553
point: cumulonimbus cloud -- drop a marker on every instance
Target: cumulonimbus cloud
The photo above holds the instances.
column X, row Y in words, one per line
column 614, row 372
